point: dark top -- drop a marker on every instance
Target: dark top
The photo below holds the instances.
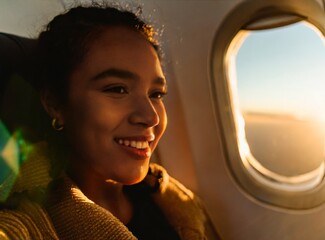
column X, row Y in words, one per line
column 148, row 221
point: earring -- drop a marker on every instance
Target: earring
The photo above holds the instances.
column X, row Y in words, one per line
column 56, row 126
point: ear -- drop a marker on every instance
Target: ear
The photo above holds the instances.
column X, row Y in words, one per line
column 51, row 106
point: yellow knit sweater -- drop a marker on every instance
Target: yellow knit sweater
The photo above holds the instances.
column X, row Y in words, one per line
column 77, row 217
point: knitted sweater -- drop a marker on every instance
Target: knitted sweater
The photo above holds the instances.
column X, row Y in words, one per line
column 76, row 217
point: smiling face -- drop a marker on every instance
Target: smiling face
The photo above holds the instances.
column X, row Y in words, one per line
column 114, row 115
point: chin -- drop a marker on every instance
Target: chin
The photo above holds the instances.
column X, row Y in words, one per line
column 134, row 180
column 135, row 176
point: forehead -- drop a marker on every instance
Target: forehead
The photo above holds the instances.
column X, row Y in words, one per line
column 122, row 40
column 121, row 47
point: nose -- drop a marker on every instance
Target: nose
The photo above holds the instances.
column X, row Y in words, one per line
column 144, row 113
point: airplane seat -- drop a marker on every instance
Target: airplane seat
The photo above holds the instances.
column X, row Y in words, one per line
column 20, row 108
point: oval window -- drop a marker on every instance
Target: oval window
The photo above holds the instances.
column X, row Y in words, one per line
column 279, row 105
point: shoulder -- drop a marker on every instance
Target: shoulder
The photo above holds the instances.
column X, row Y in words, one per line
column 167, row 185
column 26, row 221
column 26, row 218
column 181, row 206
column 12, row 225
column 17, row 225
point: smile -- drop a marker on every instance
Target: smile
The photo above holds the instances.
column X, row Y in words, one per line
column 133, row 143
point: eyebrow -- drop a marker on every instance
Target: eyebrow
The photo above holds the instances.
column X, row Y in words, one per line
column 114, row 72
column 125, row 74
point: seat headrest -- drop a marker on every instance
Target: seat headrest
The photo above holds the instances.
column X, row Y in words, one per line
column 20, row 107
column 14, row 52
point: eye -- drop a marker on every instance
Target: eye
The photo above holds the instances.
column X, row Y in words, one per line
column 158, row 95
column 115, row 89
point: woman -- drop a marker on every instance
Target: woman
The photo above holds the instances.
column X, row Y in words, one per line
column 101, row 83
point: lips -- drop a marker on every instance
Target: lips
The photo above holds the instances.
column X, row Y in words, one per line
column 139, row 146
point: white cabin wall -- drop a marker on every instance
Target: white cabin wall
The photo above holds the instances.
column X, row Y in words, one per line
column 27, row 17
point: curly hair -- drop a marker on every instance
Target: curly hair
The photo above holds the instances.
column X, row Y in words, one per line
column 67, row 38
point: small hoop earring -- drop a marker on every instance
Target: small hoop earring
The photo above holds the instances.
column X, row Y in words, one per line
column 56, row 126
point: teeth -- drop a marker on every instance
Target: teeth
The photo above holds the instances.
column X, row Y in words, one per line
column 134, row 144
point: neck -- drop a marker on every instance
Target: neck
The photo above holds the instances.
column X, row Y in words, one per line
column 105, row 193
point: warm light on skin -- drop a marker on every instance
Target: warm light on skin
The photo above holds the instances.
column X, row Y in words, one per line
column 114, row 94
column 114, row 117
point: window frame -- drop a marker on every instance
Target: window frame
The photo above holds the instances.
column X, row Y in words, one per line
column 239, row 18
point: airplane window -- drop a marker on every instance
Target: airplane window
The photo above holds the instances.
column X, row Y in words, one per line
column 268, row 92
column 278, row 93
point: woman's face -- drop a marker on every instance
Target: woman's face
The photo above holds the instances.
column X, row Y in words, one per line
column 114, row 115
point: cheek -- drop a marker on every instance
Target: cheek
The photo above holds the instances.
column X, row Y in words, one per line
column 89, row 121
column 163, row 118
column 93, row 109
column 160, row 129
